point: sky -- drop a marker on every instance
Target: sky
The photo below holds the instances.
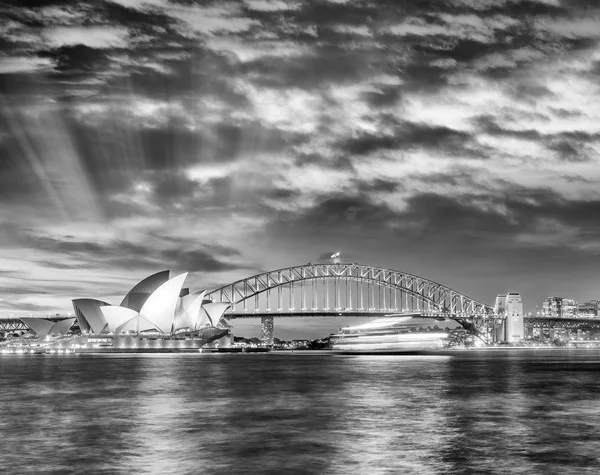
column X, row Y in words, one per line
column 458, row 140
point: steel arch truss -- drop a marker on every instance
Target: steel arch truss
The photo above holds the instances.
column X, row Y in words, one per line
column 435, row 298
column 12, row 324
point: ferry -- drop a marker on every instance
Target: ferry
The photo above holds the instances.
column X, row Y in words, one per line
column 247, row 349
column 393, row 335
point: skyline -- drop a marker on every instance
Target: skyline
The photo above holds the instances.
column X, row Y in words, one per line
column 456, row 140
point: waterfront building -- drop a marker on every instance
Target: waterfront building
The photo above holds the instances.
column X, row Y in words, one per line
column 510, row 306
column 551, row 308
column 499, row 329
column 588, row 309
column 569, row 308
column 514, row 317
column 558, row 307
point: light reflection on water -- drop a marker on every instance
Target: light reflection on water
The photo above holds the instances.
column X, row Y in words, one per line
column 300, row 414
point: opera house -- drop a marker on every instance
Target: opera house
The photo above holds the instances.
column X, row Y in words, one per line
column 157, row 315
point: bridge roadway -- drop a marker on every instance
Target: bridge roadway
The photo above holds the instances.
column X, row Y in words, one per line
column 326, row 314
column 529, row 321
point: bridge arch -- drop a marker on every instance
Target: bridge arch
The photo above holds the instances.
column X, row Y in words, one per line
column 304, row 279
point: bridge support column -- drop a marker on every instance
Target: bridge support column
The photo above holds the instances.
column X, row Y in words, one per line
column 499, row 332
column 267, row 330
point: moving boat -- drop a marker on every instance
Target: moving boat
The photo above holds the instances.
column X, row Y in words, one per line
column 236, row 350
column 393, row 335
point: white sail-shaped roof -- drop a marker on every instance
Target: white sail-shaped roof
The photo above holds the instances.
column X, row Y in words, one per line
column 160, row 306
column 137, row 324
column 190, row 317
column 40, row 326
column 183, row 321
column 89, row 315
column 117, row 316
column 62, row 327
column 137, row 297
column 203, row 319
column 194, row 311
column 215, row 311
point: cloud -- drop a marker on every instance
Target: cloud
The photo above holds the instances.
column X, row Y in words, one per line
column 210, row 20
column 77, row 60
column 584, row 27
column 228, row 136
column 116, row 253
column 466, row 27
column 23, row 306
column 94, row 37
column 24, row 64
column 271, row 5
column 141, row 4
column 250, row 51
column 406, row 136
column 353, row 30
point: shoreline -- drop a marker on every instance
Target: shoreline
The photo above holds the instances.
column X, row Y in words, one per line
column 459, row 352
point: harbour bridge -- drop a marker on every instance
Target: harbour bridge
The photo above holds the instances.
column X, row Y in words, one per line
column 347, row 289
column 356, row 290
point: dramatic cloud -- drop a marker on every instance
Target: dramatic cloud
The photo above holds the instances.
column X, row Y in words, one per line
column 458, row 140
column 93, row 37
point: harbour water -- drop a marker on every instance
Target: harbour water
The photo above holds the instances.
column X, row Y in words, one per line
column 529, row 413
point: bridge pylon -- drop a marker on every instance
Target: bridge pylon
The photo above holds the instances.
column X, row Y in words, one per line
column 267, row 330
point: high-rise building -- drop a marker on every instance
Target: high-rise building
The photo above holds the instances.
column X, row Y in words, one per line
column 499, row 330
column 558, row 307
column 511, row 307
column 588, row 309
column 515, row 329
column 551, row 308
column 500, row 304
column 568, row 308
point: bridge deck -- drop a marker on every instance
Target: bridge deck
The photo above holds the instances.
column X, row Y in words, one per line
column 320, row 313
column 530, row 322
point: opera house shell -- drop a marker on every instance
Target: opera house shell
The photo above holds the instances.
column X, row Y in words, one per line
column 157, row 315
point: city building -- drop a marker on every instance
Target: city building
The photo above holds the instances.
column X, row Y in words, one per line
column 588, row 309
column 512, row 329
column 498, row 331
column 569, row 308
column 557, row 307
column 551, row 308
column 514, row 317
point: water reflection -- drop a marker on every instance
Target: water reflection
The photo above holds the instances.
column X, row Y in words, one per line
column 261, row 414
